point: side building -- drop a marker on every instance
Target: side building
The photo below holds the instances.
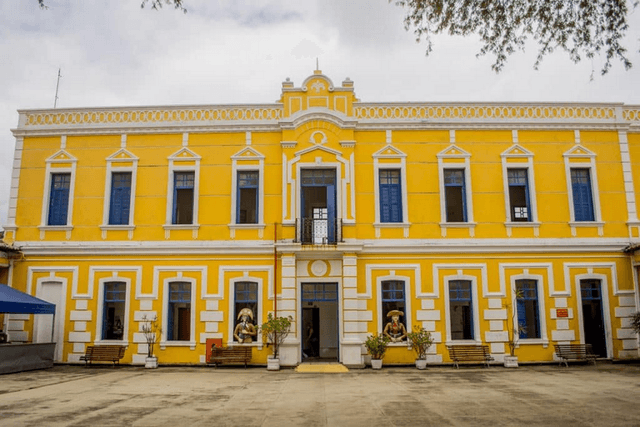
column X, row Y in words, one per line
column 335, row 212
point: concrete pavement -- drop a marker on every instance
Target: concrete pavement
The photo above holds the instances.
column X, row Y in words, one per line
column 581, row 395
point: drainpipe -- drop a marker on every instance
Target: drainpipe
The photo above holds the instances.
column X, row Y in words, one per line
column 275, row 269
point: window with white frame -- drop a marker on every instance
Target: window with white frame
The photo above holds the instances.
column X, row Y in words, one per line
column 392, row 294
column 582, row 194
column 114, row 310
column 179, row 311
column 390, row 195
column 520, row 207
column 455, row 195
column 247, row 198
column 461, row 310
column 59, row 199
column 183, row 197
column 527, row 308
column 246, row 296
column 120, row 198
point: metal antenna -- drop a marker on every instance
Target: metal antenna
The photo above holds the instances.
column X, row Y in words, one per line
column 55, row 101
column 317, row 65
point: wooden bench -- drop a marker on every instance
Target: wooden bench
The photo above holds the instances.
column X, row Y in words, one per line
column 575, row 352
column 469, row 353
column 239, row 354
column 103, row 353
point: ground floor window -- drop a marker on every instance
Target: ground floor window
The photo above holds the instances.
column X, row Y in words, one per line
column 393, row 301
column 527, row 308
column 461, row 310
column 179, row 314
column 113, row 311
column 246, row 311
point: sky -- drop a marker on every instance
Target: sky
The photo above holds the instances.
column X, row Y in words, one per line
column 113, row 53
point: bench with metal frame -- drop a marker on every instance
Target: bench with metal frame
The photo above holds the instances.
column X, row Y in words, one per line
column 575, row 352
column 469, row 353
column 103, row 353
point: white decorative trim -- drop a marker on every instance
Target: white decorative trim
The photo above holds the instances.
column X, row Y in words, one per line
column 246, row 270
column 407, row 300
column 417, row 272
column 606, row 313
column 232, row 303
column 15, row 186
column 458, row 159
column 164, row 342
column 517, row 152
column 477, row 337
column 526, row 266
column 251, row 155
column 542, row 313
column 60, row 157
column 61, row 310
column 629, row 187
column 100, row 308
column 52, row 270
column 182, row 155
column 121, row 156
column 399, row 161
column 580, row 152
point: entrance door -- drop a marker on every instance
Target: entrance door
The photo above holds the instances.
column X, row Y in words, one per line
column 318, row 206
column 592, row 316
column 320, row 321
column 50, row 292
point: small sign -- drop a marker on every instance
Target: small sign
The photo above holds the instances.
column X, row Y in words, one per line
column 562, row 312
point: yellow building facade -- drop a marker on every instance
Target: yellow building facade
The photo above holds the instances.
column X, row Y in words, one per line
column 468, row 218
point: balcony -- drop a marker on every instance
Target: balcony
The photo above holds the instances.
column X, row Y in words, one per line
column 312, row 231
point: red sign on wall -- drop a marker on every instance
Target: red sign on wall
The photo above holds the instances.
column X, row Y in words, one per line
column 562, row 312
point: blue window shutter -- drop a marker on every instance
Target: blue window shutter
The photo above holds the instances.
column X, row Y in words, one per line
column 582, row 197
column 104, row 314
column 120, row 198
column 59, row 198
column 522, row 317
column 390, row 196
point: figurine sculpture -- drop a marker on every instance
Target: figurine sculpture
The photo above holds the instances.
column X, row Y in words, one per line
column 245, row 331
column 394, row 330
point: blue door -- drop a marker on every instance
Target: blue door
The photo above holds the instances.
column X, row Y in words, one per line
column 318, row 223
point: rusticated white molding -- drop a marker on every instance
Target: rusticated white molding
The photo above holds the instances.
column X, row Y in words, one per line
column 52, row 270
column 393, row 267
column 246, row 270
column 525, row 267
column 461, row 268
column 178, row 269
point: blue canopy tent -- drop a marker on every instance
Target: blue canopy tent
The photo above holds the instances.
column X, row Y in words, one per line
column 22, row 357
column 14, row 301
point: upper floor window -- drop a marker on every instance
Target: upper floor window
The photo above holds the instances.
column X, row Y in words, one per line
column 247, row 208
column 519, row 195
column 582, row 194
column 527, row 308
column 113, row 313
column 183, row 197
column 455, row 195
column 59, row 198
column 120, row 203
column 390, row 195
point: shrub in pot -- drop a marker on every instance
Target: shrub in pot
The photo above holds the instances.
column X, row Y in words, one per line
column 376, row 347
column 151, row 331
column 420, row 340
column 274, row 331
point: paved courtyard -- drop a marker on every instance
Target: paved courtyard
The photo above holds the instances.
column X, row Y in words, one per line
column 602, row 395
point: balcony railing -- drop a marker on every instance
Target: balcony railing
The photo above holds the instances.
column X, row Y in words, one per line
column 311, row 231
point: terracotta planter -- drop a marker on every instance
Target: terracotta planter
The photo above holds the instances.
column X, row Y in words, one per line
column 511, row 361
column 151, row 362
column 421, row 364
column 273, row 364
column 376, row 363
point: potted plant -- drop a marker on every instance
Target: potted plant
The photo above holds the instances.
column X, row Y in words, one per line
column 274, row 331
column 635, row 322
column 420, row 340
column 376, row 346
column 513, row 333
column 151, row 330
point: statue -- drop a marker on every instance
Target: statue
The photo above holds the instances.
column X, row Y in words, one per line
column 395, row 330
column 245, row 331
